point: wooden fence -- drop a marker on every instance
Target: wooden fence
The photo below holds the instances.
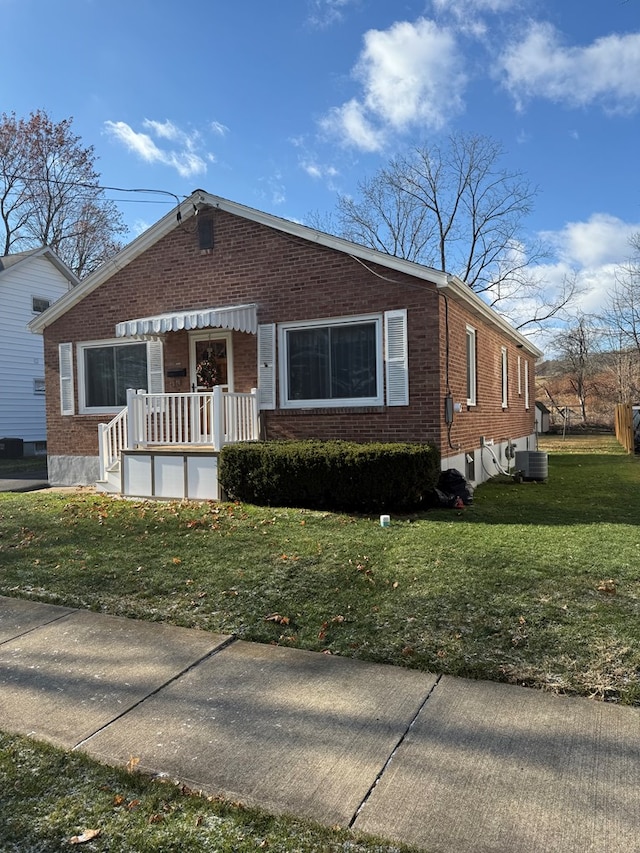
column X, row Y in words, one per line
column 624, row 426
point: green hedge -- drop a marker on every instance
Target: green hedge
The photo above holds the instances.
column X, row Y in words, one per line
column 337, row 475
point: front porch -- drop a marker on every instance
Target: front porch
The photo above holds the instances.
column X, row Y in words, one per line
column 167, row 445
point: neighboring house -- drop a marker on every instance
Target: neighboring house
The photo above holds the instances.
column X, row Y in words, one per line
column 29, row 283
column 339, row 340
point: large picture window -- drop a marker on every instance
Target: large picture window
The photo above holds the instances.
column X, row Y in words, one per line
column 332, row 364
column 106, row 369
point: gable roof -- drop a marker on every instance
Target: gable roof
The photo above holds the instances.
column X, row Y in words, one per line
column 8, row 262
column 200, row 200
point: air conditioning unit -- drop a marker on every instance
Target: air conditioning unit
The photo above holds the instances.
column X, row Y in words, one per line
column 533, row 464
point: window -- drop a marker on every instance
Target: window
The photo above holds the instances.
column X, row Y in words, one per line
column 331, row 364
column 526, row 384
column 107, row 369
column 505, row 378
column 39, row 305
column 38, row 386
column 471, row 366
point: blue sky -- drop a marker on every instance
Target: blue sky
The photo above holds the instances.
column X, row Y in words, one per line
column 281, row 105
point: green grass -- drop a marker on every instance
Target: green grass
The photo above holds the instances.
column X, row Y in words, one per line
column 535, row 584
column 12, row 467
column 50, row 797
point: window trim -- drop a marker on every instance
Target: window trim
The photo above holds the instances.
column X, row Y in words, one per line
column 343, row 402
column 471, row 343
column 213, row 335
column 504, row 364
column 83, row 409
column 526, row 384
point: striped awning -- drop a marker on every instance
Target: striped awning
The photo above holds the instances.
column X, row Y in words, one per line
column 241, row 318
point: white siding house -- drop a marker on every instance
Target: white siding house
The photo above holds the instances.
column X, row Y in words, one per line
column 29, row 283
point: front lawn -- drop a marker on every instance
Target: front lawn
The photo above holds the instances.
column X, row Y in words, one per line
column 535, row 584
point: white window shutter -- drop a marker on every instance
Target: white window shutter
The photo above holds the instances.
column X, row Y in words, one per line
column 396, row 357
column 267, row 366
column 65, row 365
column 155, row 372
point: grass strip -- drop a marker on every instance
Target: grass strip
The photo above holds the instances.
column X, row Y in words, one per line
column 52, row 800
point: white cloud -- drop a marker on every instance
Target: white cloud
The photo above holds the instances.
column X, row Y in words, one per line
column 273, row 189
column 218, row 128
column 469, row 14
column 588, row 254
column 349, row 122
column 602, row 239
column 318, row 170
column 164, row 129
column 323, row 13
column 463, row 8
column 410, row 77
column 184, row 156
column 606, row 71
column 591, row 254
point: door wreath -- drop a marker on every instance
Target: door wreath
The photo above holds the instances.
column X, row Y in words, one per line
column 207, row 372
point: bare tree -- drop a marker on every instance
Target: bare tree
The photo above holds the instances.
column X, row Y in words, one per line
column 622, row 313
column 621, row 319
column 456, row 209
column 50, row 193
column 578, row 346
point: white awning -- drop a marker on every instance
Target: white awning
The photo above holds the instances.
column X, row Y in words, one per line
column 241, row 318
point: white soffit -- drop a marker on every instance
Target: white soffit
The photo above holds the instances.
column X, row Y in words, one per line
column 240, row 318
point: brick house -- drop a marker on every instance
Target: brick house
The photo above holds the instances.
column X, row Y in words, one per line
column 238, row 324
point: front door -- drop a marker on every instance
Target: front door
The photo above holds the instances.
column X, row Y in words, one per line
column 210, row 360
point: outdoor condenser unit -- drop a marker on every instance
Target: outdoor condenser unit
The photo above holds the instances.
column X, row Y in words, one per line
column 534, row 464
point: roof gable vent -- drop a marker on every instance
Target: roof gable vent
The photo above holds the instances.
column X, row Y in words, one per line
column 205, row 234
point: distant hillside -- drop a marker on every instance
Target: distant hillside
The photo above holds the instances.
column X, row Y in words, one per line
column 606, row 379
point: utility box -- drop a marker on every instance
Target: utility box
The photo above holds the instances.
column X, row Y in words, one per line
column 11, row 448
column 533, row 464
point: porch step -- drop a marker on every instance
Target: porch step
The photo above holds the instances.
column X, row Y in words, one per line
column 112, row 483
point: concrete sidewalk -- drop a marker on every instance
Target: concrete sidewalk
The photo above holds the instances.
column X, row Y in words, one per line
column 443, row 763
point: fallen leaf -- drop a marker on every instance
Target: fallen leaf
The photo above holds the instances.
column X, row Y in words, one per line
column 608, row 586
column 176, row 560
column 278, row 619
column 132, row 763
column 87, row 835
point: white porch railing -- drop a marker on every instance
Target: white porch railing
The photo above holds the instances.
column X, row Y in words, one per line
column 209, row 419
column 112, row 438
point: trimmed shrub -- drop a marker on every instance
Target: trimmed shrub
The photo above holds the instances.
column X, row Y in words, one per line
column 336, row 475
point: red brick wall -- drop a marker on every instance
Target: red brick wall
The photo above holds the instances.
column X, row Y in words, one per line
column 487, row 418
column 290, row 279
